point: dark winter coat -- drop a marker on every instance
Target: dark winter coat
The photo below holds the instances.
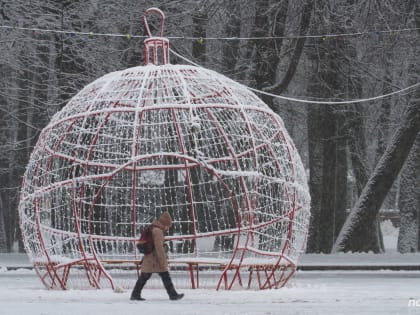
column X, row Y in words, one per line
column 157, row 260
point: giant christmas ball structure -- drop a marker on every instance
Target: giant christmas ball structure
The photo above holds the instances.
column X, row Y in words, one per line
column 140, row 141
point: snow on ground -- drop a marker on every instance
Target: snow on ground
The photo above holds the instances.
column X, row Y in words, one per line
column 356, row 292
column 309, row 292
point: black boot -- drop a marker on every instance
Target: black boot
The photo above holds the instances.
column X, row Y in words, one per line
column 169, row 286
column 136, row 298
column 141, row 281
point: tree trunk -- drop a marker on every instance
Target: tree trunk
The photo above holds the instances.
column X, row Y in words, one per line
column 409, row 202
column 315, row 178
column 280, row 87
column 327, row 144
column 233, row 29
column 199, row 46
column 358, row 150
column 3, row 246
column 384, row 127
column 267, row 51
column 381, row 180
column 328, row 178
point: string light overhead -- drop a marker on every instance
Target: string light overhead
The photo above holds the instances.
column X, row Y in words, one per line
column 201, row 40
column 307, row 101
column 129, row 36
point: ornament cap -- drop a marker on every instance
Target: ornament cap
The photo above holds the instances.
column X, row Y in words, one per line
column 155, row 47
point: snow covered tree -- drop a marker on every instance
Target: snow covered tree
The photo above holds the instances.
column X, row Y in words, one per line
column 326, row 138
column 230, row 49
column 40, row 71
column 409, row 198
column 367, row 207
column 266, row 51
column 360, row 170
column 3, row 246
column 307, row 7
column 409, row 202
column 199, row 20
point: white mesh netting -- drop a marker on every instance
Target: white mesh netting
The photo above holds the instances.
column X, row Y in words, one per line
column 137, row 142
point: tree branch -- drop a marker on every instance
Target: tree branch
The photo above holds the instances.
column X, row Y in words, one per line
column 297, row 53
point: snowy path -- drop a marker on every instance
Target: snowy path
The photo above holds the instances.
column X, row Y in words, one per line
column 309, row 292
column 380, row 292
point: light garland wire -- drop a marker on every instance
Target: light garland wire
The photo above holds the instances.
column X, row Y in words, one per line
column 293, row 99
column 129, row 36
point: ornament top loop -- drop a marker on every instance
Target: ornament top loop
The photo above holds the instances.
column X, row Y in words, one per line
column 146, row 24
column 156, row 48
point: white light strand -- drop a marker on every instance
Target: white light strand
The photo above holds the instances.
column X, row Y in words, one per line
column 129, row 36
column 293, row 99
column 336, row 102
column 323, row 36
column 68, row 32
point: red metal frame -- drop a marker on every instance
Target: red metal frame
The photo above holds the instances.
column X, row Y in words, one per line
column 153, row 44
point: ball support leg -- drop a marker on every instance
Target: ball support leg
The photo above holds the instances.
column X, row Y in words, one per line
column 58, row 275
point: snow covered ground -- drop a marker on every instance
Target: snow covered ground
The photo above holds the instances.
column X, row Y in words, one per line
column 309, row 292
column 355, row 292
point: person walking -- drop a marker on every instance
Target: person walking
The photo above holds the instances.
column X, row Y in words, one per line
column 156, row 261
